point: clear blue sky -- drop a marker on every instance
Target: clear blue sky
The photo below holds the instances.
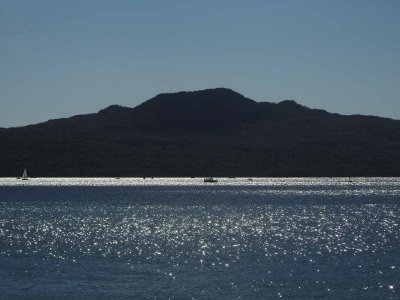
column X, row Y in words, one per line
column 61, row 58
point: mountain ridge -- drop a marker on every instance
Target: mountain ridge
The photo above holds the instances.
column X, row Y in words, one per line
column 215, row 132
column 120, row 108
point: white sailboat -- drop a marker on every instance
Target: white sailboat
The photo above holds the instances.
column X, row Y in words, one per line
column 24, row 175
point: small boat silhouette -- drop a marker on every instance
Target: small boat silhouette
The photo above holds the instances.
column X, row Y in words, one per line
column 210, row 179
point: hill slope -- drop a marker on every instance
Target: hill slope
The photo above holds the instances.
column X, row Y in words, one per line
column 211, row 132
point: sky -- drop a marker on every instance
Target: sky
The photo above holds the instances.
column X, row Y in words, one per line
column 62, row 58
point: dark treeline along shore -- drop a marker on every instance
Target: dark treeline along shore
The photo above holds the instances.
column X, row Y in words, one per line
column 214, row 132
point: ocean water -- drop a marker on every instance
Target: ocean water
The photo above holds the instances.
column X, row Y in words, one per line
column 180, row 238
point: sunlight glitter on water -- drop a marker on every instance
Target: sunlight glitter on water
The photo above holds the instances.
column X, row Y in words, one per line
column 297, row 186
column 298, row 238
column 184, row 181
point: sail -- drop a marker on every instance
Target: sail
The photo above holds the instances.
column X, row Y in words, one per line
column 25, row 174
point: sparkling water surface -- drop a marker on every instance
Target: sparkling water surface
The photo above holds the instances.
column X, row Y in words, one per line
column 181, row 238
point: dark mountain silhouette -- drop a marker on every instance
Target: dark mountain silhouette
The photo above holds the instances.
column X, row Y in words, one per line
column 214, row 132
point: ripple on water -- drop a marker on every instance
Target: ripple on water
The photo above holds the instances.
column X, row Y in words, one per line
column 234, row 244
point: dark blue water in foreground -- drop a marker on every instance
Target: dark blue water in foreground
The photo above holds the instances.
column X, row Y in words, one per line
column 317, row 239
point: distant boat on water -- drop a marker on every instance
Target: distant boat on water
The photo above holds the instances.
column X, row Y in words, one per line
column 210, row 179
column 24, row 175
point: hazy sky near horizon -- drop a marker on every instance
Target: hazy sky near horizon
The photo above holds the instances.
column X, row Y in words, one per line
column 61, row 58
